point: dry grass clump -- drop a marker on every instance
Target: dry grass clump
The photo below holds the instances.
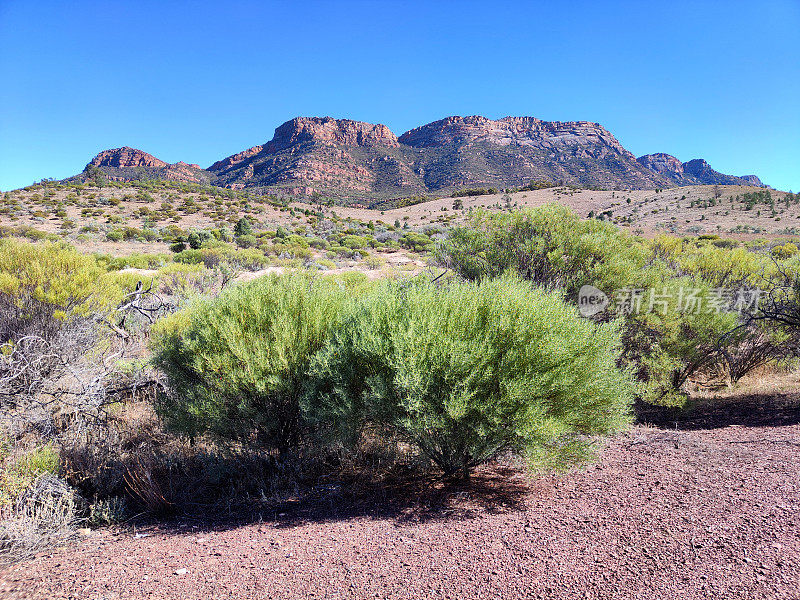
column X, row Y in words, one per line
column 48, row 512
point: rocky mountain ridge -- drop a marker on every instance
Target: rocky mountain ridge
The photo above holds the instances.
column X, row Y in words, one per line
column 353, row 160
column 696, row 171
column 126, row 163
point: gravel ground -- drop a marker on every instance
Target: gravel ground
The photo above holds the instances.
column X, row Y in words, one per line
column 708, row 510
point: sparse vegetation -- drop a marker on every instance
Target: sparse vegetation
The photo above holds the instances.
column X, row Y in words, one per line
column 261, row 388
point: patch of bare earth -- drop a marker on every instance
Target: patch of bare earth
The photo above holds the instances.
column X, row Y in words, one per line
column 704, row 506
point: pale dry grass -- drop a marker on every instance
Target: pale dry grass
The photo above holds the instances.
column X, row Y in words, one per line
column 45, row 515
column 770, row 380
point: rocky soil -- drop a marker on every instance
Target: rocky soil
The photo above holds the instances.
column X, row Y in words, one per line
column 704, row 507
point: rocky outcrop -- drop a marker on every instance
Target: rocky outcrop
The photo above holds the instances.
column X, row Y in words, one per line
column 337, row 157
column 475, row 150
column 698, row 168
column 235, row 159
column 694, row 172
column 353, row 160
column 310, row 130
column 664, row 164
column 127, row 164
column 752, row 180
column 699, row 171
column 332, row 132
column 514, row 131
column 126, row 157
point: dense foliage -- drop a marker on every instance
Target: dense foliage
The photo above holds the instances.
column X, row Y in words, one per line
column 236, row 364
column 461, row 372
column 466, row 371
column 666, row 341
column 56, row 276
column 550, row 246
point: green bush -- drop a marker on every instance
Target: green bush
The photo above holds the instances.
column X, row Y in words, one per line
column 189, row 257
column 668, row 345
column 19, row 474
column 225, row 234
column 468, row 371
column 108, row 511
column 236, row 364
column 718, row 266
column 549, row 245
column 418, row 242
column 246, row 241
column 115, row 235
column 139, row 261
column 56, row 276
column 354, row 242
column 243, row 227
column 194, row 241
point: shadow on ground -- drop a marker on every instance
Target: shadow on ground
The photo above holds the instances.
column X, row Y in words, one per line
column 751, row 410
column 407, row 498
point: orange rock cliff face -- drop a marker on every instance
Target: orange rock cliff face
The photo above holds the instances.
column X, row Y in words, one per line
column 126, row 157
column 352, row 159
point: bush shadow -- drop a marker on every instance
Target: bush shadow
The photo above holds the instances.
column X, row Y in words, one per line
column 403, row 498
column 749, row 410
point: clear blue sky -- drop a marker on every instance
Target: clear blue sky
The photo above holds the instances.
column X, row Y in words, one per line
column 197, row 81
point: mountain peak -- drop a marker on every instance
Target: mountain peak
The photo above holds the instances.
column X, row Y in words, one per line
column 126, row 163
column 126, row 157
column 330, row 131
column 585, row 137
column 696, row 171
column 662, row 163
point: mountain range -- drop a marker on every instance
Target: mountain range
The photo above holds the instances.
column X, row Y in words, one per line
column 356, row 161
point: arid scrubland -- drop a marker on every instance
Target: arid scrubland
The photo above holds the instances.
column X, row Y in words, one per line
column 174, row 349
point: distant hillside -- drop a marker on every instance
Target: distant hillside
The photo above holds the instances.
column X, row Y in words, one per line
column 130, row 164
column 694, row 172
column 355, row 161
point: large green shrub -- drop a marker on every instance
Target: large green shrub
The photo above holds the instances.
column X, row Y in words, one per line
column 667, row 344
column 469, row 370
column 236, row 364
column 44, row 286
column 549, row 245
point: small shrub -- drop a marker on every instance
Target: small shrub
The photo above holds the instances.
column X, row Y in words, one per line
column 23, row 471
column 189, row 257
column 108, row 511
column 246, row 241
column 374, row 262
column 785, row 251
column 46, row 514
column 195, row 241
column 243, row 227
column 418, row 242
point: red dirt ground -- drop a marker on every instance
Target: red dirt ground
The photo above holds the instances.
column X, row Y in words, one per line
column 703, row 507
